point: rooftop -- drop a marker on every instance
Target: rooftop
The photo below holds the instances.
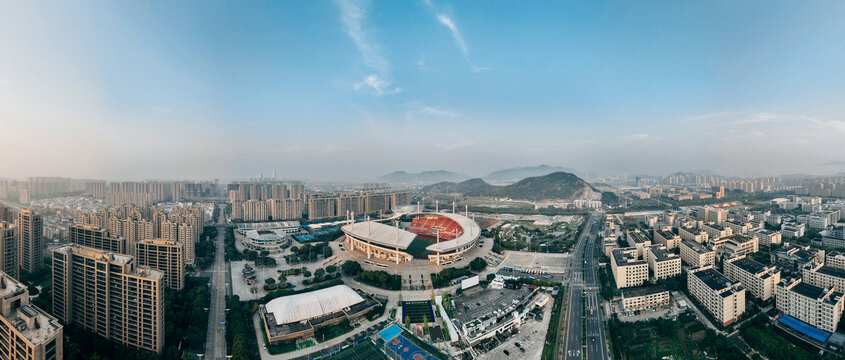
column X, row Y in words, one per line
column 832, row 271
column 623, row 259
column 299, row 307
column 642, row 291
column 661, row 254
column 696, row 246
column 713, row 279
column 807, row 290
column 750, row 266
column 638, row 237
column 380, row 234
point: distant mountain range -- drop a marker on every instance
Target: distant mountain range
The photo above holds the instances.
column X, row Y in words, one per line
column 425, row 177
column 557, row 185
column 500, row 177
column 518, row 173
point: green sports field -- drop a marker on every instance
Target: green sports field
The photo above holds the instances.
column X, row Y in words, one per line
column 365, row 350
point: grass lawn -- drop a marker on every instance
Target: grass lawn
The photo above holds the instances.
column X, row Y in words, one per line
column 760, row 336
column 417, row 247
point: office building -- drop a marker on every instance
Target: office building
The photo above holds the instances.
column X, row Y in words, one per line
column 163, row 255
column 628, row 270
column 95, row 237
column 817, row 306
column 720, row 296
column 834, row 237
column 739, row 227
column 696, row 254
column 30, row 229
column 26, row 331
column 8, row 249
column 759, row 279
column 109, row 295
column 667, row 239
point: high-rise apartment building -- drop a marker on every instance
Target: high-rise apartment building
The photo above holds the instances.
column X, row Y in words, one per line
column 662, row 263
column 667, row 239
column 163, row 255
column 8, row 249
column 26, row 332
column 108, row 294
column 95, row 237
column 30, row 240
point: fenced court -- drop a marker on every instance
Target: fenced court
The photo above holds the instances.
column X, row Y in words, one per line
column 398, row 347
column 364, row 350
column 417, row 311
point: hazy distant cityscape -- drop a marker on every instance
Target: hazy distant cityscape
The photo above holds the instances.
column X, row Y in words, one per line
column 422, row 180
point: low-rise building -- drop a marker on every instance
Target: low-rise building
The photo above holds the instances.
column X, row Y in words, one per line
column 644, row 297
column 738, row 245
column 818, row 274
column 662, row 263
column 690, row 234
column 768, row 237
column 695, row 254
column 834, row 259
column 834, row 237
column 817, row 306
column 792, row 230
column 759, row 279
column 716, row 231
column 739, row 227
column 638, row 240
column 628, row 269
column 667, row 239
column 720, row 296
column 792, row 257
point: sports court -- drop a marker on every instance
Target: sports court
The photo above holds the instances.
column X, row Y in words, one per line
column 400, row 347
column 365, row 350
column 418, row 311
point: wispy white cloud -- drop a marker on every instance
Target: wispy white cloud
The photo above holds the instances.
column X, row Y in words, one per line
column 635, row 137
column 353, row 14
column 380, row 86
column 454, row 146
column 438, row 112
column 447, row 21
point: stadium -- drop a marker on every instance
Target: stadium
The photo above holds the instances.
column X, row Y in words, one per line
column 270, row 240
column 439, row 237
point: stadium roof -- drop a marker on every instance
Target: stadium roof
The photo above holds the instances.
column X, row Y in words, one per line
column 380, row 234
column 471, row 232
column 312, row 304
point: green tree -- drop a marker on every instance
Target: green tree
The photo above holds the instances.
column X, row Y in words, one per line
column 477, row 264
column 239, row 348
column 351, row 268
column 306, row 273
column 407, row 320
column 269, row 281
column 490, row 277
column 331, row 269
column 319, row 272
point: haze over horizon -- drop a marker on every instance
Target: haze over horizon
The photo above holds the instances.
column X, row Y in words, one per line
column 352, row 90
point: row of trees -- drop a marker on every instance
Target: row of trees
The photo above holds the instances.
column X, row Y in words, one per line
column 240, row 335
column 308, row 252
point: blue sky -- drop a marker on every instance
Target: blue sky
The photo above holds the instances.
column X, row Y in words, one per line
column 350, row 90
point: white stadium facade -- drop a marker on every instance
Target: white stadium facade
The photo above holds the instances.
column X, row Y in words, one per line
column 436, row 236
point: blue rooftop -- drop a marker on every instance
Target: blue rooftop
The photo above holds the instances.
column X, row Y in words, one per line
column 804, row 328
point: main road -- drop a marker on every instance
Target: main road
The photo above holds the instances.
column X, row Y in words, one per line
column 215, row 346
column 583, row 305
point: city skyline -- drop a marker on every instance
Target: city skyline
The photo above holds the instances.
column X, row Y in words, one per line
column 219, row 90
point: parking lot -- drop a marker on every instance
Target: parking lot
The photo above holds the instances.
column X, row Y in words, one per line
column 548, row 262
column 531, row 336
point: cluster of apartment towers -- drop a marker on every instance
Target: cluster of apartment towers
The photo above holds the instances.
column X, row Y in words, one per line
column 704, row 234
column 108, row 280
column 289, row 201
